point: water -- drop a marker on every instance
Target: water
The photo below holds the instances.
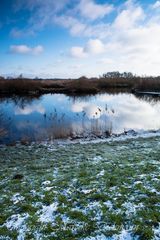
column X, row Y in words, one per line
column 55, row 116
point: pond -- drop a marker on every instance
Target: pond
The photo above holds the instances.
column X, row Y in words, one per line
column 57, row 116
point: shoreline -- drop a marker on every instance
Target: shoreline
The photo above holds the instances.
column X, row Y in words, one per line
column 121, row 137
column 80, row 86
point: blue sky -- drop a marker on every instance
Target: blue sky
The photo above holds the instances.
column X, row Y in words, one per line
column 71, row 38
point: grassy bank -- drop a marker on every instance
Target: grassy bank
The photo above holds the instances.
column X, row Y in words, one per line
column 83, row 85
column 81, row 192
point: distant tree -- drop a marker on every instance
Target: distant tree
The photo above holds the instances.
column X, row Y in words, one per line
column 20, row 76
column 83, row 78
column 117, row 74
column 127, row 75
column 111, row 75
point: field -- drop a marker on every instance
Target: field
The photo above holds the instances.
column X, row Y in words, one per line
column 82, row 85
column 93, row 191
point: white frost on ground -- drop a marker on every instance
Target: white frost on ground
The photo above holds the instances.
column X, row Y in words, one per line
column 18, row 222
column 98, row 237
column 101, row 173
column 131, row 208
column 55, row 172
column 124, row 235
column 87, row 191
column 47, row 213
column 157, row 233
column 97, row 159
column 122, row 137
column 108, row 204
column 137, row 182
column 17, row 198
column 47, row 189
column 46, row 183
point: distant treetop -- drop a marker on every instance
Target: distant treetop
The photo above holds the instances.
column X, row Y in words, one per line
column 117, row 74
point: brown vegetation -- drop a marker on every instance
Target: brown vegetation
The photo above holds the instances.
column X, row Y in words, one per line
column 83, row 85
column 3, row 131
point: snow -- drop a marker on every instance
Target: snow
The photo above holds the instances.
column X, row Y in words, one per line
column 17, row 198
column 85, row 191
column 124, row 235
column 101, row 173
column 46, row 183
column 18, row 222
column 47, row 213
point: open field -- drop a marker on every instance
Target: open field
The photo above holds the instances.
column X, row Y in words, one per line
column 82, row 85
column 89, row 191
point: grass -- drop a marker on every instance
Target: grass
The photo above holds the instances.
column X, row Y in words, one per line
column 79, row 191
column 81, row 86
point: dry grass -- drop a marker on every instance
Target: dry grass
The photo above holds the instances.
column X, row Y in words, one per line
column 82, row 85
column 3, row 130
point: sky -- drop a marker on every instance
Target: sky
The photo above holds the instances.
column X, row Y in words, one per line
column 74, row 38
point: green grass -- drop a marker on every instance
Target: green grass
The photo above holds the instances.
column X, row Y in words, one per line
column 77, row 191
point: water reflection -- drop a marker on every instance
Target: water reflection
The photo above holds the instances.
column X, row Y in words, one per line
column 28, row 109
column 59, row 116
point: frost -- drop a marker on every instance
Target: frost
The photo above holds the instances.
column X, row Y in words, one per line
column 97, row 159
column 48, row 188
column 157, row 232
column 18, row 222
column 98, row 237
column 131, row 208
column 108, row 204
column 17, row 198
column 87, row 191
column 46, row 183
column 124, row 235
column 47, row 213
column 101, row 173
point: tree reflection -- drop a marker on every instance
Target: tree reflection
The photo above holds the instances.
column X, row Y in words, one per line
column 20, row 101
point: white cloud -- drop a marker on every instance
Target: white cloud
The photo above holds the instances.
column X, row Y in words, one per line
column 89, row 9
column 74, row 25
column 129, row 41
column 127, row 18
column 93, row 47
column 78, row 52
column 30, row 109
column 156, row 5
column 24, row 49
column 18, row 33
column 42, row 13
column 92, row 111
column 37, row 50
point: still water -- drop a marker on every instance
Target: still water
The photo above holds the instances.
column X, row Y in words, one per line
column 55, row 116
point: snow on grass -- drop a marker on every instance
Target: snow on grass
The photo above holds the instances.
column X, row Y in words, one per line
column 81, row 191
column 18, row 222
column 47, row 214
column 17, row 198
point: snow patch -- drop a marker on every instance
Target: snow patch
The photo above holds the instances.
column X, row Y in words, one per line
column 47, row 213
column 46, row 183
column 18, row 222
column 101, row 173
column 17, row 198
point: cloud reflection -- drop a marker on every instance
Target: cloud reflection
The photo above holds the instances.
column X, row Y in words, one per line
column 29, row 109
column 91, row 110
column 125, row 111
